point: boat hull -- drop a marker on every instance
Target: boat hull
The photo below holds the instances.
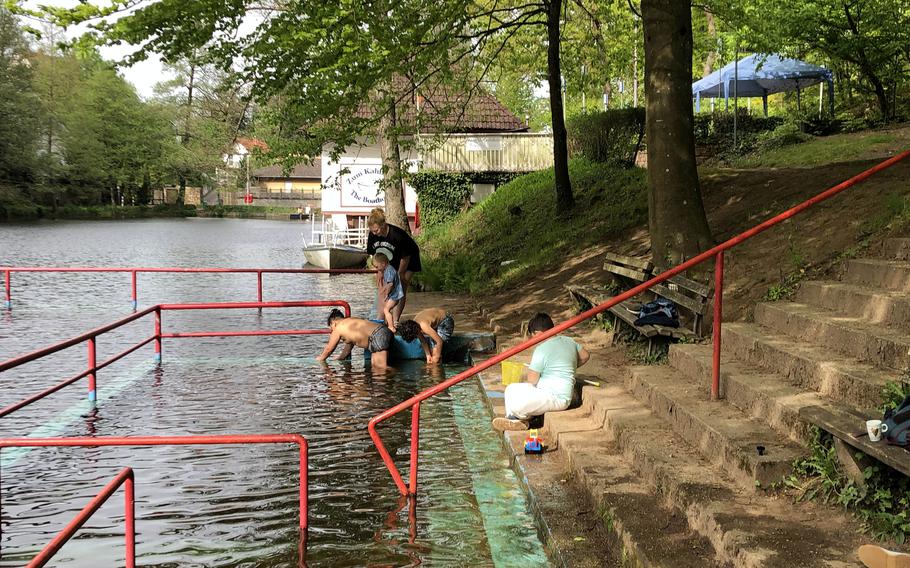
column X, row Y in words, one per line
column 335, row 256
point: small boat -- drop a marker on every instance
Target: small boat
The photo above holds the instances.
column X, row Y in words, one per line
column 336, row 248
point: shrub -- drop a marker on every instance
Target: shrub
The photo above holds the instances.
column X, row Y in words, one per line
column 784, row 135
column 442, row 195
column 610, row 137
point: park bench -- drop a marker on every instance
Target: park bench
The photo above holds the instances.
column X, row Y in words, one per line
column 849, row 431
column 690, row 297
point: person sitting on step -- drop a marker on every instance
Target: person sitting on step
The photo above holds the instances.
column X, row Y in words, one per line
column 433, row 327
column 551, row 378
column 365, row 334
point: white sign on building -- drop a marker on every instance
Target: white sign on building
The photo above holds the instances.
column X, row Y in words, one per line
column 360, row 185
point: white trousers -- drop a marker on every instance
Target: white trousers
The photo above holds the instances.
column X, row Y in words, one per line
column 524, row 400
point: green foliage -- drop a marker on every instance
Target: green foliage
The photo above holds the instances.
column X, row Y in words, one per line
column 18, row 105
column 894, row 392
column 515, row 232
column 821, row 151
column 611, row 136
column 442, row 195
column 714, row 132
column 247, row 211
column 883, row 505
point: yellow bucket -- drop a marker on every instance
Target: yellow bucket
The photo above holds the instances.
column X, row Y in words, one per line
column 511, row 372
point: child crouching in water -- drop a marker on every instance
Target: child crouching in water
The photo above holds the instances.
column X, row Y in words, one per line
column 391, row 291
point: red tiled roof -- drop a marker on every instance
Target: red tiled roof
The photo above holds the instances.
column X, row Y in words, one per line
column 251, row 143
column 302, row 170
column 449, row 111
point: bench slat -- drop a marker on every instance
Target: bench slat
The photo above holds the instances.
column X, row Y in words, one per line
column 594, row 297
column 632, row 273
column 695, row 305
column 687, row 283
column 844, row 425
column 628, row 261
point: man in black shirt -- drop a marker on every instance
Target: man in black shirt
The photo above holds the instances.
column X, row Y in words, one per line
column 405, row 253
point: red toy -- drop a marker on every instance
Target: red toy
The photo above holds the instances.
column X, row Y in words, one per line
column 533, row 443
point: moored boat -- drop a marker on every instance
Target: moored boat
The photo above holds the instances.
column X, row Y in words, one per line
column 336, row 248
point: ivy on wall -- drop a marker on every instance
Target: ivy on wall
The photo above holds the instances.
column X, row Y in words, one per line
column 443, row 195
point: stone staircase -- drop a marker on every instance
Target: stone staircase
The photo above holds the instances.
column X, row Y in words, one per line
column 836, row 346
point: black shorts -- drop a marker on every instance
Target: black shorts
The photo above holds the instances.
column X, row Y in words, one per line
column 380, row 339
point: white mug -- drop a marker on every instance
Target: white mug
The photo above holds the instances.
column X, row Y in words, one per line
column 875, row 428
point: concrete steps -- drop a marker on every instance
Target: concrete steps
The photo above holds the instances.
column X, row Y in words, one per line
column 748, row 450
column 744, row 528
column 898, row 248
column 810, row 367
column 765, row 396
column 886, row 274
column 890, row 309
column 875, row 344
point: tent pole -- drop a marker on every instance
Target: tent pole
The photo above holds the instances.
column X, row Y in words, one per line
column 735, row 92
column 821, row 92
column 764, row 102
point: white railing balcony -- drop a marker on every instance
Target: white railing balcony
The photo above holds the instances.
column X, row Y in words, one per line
column 518, row 152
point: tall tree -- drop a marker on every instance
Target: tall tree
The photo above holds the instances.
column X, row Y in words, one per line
column 18, row 113
column 676, row 215
column 325, row 59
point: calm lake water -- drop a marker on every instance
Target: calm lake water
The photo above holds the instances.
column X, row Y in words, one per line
column 233, row 505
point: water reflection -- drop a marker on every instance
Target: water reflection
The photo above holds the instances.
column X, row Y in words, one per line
column 231, row 506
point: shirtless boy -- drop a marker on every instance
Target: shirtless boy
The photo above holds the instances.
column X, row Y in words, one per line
column 366, row 334
column 430, row 325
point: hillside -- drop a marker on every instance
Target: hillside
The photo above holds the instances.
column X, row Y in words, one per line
column 517, row 223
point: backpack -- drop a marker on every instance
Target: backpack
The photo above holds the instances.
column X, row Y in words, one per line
column 659, row 312
column 896, row 424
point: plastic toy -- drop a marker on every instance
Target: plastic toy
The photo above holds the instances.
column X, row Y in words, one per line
column 533, row 443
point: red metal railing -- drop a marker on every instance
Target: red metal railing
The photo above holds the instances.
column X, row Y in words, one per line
column 90, row 339
column 716, row 253
column 124, row 478
column 171, row 441
column 134, row 274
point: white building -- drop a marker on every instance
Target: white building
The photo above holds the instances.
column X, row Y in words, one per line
column 351, row 184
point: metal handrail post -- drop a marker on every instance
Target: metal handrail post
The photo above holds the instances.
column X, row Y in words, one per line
column 129, row 507
column 259, row 288
column 415, row 432
column 125, row 478
column 135, row 296
column 158, row 334
column 92, row 366
column 718, row 316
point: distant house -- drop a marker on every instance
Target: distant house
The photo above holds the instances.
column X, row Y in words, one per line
column 351, row 184
column 240, row 149
column 303, row 178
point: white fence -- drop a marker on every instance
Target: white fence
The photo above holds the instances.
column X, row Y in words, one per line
column 519, row 152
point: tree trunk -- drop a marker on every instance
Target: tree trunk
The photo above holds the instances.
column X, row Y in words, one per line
column 393, row 175
column 676, row 215
column 866, row 67
column 708, row 67
column 564, row 199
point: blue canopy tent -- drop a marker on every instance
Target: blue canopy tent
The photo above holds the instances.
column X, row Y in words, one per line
column 759, row 76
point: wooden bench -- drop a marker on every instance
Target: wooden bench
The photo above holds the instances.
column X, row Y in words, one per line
column 690, row 297
column 850, row 429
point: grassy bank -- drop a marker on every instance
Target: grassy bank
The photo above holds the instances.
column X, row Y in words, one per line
column 516, row 233
column 247, row 212
column 869, row 144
